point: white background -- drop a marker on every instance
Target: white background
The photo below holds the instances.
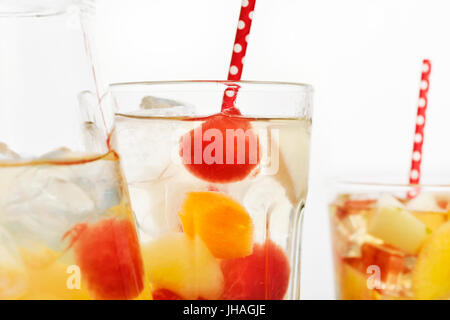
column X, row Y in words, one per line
column 362, row 56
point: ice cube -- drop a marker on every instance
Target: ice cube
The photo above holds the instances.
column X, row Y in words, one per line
column 157, row 203
column 6, row 153
column 151, row 102
column 424, row 202
column 155, row 106
column 9, row 253
column 146, row 148
column 43, row 203
column 266, row 201
column 349, row 234
column 387, row 200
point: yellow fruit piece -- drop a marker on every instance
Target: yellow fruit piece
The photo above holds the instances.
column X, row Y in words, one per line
column 352, row 284
column 399, row 228
column 432, row 220
column 184, row 266
column 37, row 256
column 222, row 223
column 13, row 283
column 52, row 283
column 431, row 274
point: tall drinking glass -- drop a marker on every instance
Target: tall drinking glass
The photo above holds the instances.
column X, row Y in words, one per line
column 389, row 242
column 218, row 196
column 66, row 228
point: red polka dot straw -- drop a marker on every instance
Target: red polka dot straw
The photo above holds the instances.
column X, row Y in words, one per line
column 416, row 161
column 239, row 50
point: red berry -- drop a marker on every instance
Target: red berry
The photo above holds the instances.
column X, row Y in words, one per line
column 214, row 167
column 164, row 294
column 263, row 275
column 109, row 258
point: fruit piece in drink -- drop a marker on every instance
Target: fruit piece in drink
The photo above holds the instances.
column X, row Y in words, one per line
column 13, row 283
column 399, row 228
column 164, row 294
column 353, row 283
column 183, row 266
column 109, row 257
column 263, row 275
column 222, row 223
column 223, row 149
column 385, row 265
column 431, row 274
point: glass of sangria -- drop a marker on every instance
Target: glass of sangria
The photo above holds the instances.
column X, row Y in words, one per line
column 391, row 241
column 217, row 173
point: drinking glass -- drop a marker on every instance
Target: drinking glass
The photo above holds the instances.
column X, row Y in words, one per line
column 66, row 227
column 391, row 241
column 218, row 194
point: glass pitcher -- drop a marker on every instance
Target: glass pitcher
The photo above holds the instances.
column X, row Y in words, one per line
column 66, row 228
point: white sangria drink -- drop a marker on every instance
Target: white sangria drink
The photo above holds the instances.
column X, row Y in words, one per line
column 218, row 194
column 67, row 231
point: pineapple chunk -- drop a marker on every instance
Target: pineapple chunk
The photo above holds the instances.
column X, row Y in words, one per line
column 425, row 207
column 398, row 228
column 431, row 274
column 353, row 284
column 184, row 266
column 432, row 220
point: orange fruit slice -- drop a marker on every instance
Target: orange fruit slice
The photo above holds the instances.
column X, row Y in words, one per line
column 222, row 223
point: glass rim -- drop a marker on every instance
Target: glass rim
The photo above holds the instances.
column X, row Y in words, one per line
column 303, row 86
column 32, row 13
column 374, row 184
column 49, row 10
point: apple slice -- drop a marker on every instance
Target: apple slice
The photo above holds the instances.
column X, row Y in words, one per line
column 293, row 160
column 183, row 266
column 398, row 228
column 431, row 274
